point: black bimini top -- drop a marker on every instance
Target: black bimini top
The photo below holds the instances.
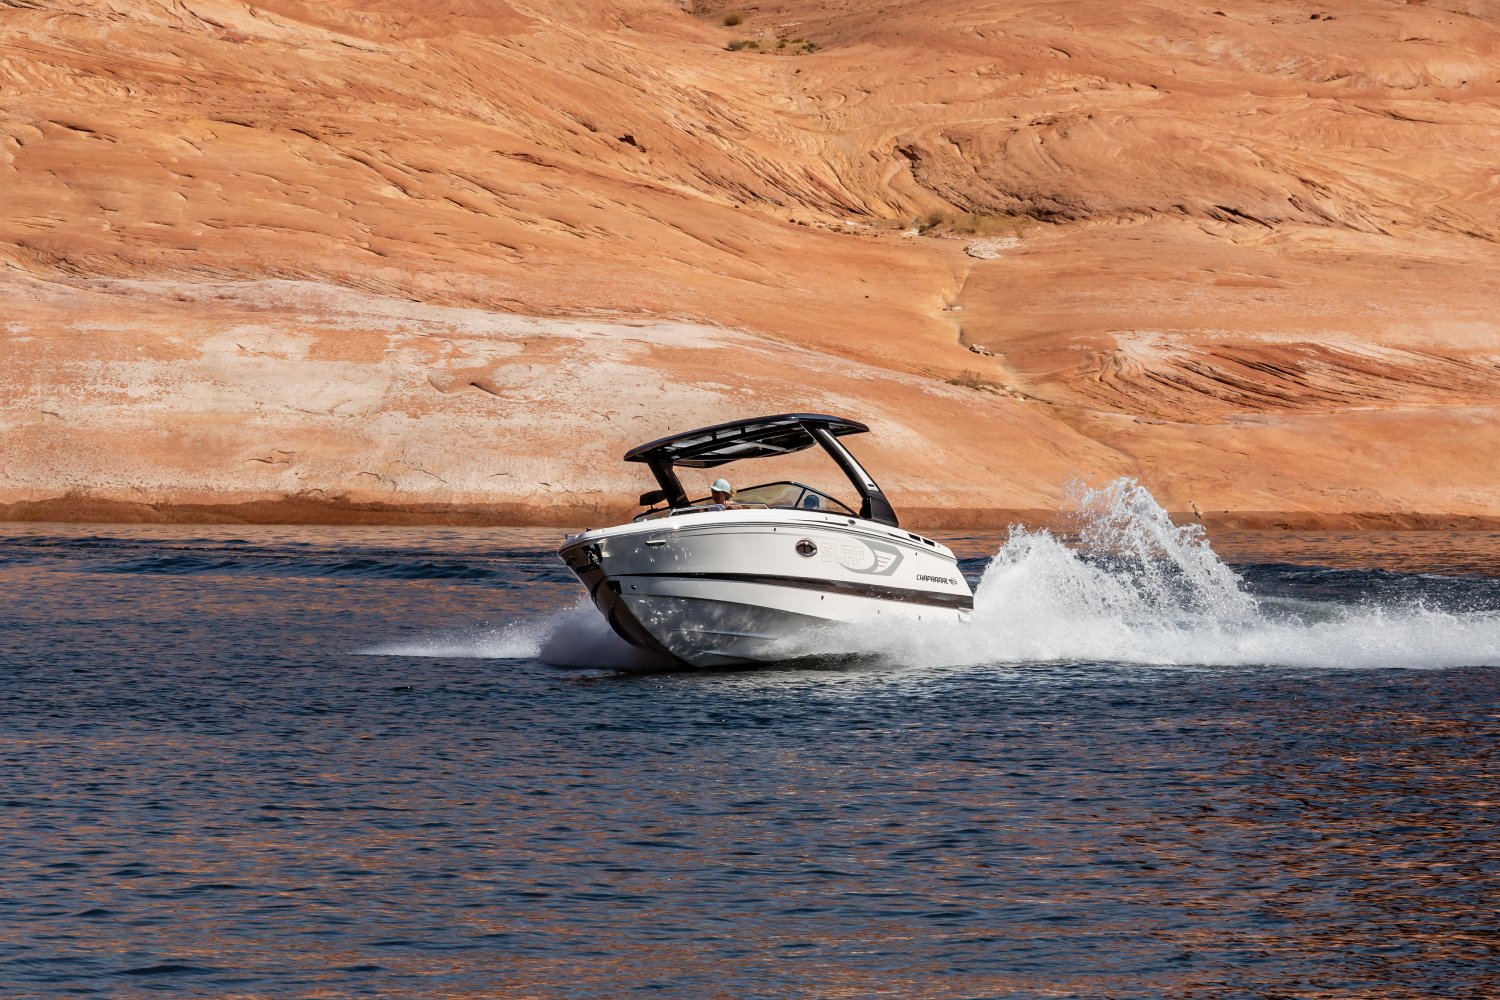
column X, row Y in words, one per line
column 759, row 437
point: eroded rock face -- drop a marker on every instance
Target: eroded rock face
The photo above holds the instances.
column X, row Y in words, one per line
column 291, row 399
column 386, row 260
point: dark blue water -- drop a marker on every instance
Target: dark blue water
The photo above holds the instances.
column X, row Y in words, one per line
column 211, row 787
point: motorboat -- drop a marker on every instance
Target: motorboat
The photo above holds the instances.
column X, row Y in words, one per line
column 776, row 574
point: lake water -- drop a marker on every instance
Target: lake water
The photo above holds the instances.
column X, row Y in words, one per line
column 399, row 763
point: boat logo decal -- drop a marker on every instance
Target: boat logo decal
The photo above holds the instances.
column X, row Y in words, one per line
column 869, row 558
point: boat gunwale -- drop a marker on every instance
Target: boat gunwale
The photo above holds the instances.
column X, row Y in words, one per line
column 716, row 520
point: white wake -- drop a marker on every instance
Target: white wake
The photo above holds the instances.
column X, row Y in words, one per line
column 577, row 636
column 1136, row 588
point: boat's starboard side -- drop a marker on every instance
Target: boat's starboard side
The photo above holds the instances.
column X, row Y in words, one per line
column 725, row 586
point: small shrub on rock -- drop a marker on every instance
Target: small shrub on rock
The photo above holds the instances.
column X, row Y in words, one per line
column 974, row 380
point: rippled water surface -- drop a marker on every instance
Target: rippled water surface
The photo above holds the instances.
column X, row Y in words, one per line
column 399, row 763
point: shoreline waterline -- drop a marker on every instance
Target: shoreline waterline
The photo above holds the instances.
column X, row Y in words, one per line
column 314, row 510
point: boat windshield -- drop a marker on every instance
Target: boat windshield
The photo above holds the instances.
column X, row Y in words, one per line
column 784, row 495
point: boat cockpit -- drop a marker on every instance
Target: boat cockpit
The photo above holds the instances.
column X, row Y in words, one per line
column 782, row 495
column 759, row 437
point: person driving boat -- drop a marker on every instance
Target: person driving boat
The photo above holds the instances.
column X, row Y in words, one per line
column 721, row 491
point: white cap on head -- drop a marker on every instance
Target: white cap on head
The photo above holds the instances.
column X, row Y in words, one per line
column 720, row 486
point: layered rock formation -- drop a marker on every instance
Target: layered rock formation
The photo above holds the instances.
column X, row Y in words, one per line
column 389, row 260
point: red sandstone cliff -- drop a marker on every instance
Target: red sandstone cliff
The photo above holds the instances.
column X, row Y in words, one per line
column 452, row 258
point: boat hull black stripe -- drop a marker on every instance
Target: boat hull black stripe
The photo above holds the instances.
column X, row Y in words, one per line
column 961, row 602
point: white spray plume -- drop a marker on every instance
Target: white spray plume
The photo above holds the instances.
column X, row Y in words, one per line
column 1136, row 588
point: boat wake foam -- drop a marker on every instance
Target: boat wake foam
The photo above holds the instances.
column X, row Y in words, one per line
column 574, row 637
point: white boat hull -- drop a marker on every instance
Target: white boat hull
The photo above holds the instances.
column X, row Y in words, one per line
column 746, row 587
